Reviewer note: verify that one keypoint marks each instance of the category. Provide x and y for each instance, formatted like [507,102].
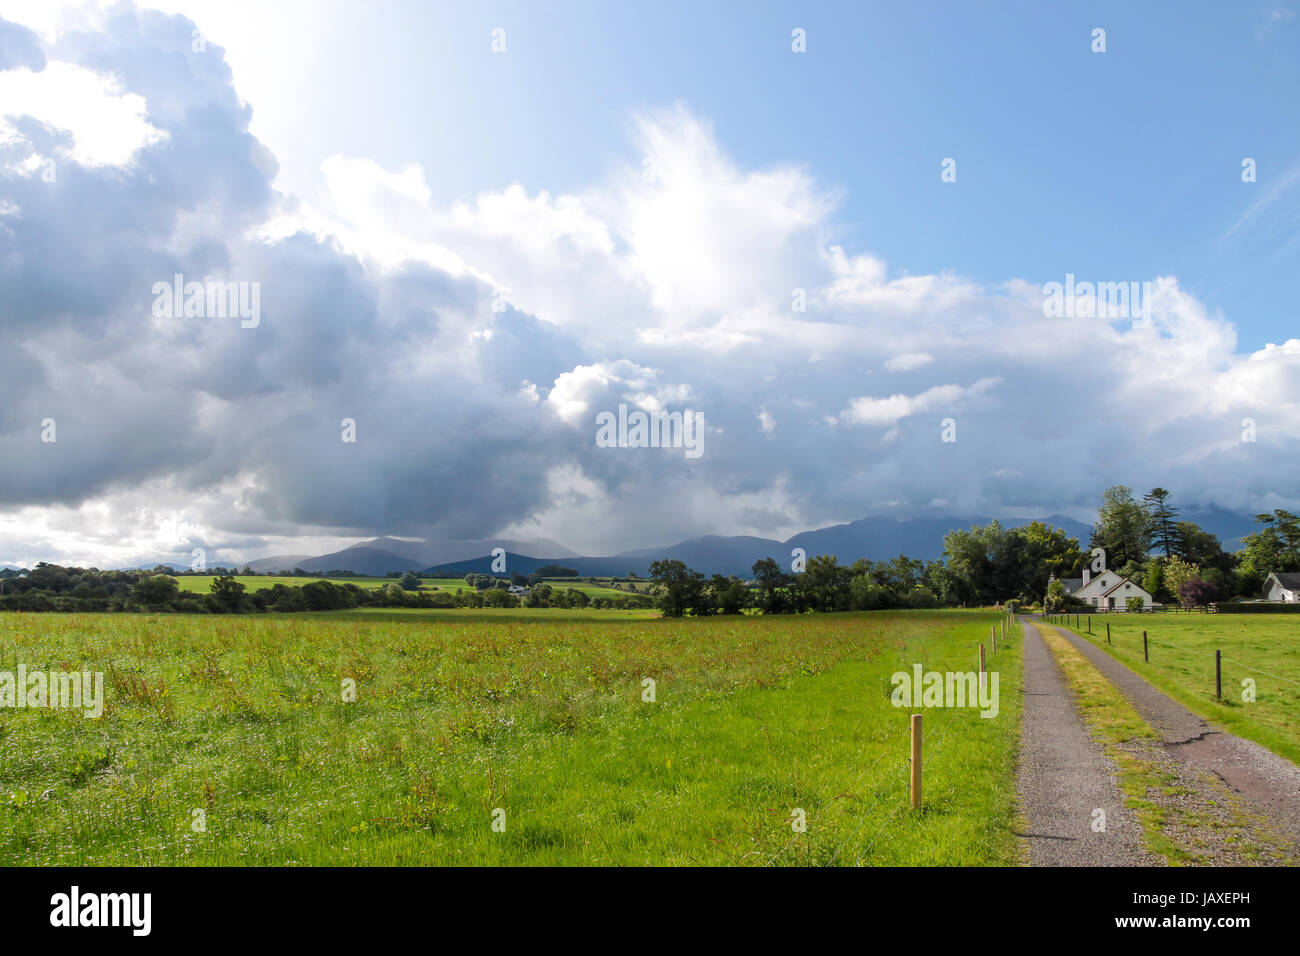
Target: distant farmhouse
[1284,587]
[1106,591]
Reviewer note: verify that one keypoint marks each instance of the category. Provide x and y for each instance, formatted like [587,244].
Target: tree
[157,589]
[1177,573]
[539,595]
[1042,551]
[771,582]
[723,595]
[496,597]
[410,581]
[971,558]
[825,583]
[555,571]
[735,598]
[1054,600]
[987,565]
[1123,527]
[1197,592]
[1276,547]
[676,586]
[1201,547]
[1155,580]
[228,592]
[1164,527]
[866,595]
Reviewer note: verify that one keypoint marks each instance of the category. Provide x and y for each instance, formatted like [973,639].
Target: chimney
[1087,575]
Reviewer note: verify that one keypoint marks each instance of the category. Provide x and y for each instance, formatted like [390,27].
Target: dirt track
[1268,785]
[1065,777]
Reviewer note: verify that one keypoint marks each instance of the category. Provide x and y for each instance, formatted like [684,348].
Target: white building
[1106,591]
[1283,586]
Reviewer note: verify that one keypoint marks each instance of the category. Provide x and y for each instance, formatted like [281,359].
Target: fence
[1064,620]
[907,773]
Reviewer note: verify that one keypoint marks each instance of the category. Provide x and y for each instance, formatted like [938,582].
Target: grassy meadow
[1265,647]
[226,740]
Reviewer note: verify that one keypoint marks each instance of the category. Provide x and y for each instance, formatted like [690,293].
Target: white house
[1283,586]
[1106,591]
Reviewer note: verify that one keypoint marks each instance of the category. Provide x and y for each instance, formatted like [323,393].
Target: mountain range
[872,539]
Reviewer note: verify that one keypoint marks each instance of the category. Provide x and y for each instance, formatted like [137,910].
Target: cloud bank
[474,344]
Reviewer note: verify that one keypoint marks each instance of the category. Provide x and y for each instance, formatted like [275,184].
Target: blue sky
[472,254]
[1122,164]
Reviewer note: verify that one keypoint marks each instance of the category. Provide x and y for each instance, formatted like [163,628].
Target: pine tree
[1164,529]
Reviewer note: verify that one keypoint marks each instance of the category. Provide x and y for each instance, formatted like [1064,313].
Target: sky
[474,227]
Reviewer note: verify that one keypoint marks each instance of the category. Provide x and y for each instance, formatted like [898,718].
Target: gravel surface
[1065,776]
[1267,785]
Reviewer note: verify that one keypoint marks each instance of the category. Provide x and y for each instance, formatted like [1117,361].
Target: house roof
[1288,579]
[1071,584]
[1121,581]
[1100,582]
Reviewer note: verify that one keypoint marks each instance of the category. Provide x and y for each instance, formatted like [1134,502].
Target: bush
[496,597]
[1259,608]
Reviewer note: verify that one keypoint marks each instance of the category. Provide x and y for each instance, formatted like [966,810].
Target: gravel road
[1269,785]
[1065,777]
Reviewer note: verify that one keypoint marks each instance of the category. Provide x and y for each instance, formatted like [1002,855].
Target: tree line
[1145,540]
[51,587]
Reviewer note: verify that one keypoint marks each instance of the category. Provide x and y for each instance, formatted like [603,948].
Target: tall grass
[239,724]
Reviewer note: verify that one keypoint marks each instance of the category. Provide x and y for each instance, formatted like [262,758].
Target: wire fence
[900,776]
[1265,673]
[931,750]
[1064,620]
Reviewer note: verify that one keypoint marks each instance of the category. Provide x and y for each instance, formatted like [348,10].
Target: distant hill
[872,539]
[384,555]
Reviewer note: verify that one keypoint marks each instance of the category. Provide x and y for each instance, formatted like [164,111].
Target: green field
[539,714]
[202,583]
[1265,647]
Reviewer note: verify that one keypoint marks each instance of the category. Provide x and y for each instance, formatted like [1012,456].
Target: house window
[1127,586]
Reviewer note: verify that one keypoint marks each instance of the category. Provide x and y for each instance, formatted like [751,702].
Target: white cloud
[908,361]
[673,289]
[894,408]
[107,125]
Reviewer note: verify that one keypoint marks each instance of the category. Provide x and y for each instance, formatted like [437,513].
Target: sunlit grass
[1262,647]
[541,715]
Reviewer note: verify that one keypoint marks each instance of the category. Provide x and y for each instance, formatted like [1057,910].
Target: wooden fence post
[993,638]
[1145,656]
[916,761]
[1218,675]
[1108,632]
[981,667]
